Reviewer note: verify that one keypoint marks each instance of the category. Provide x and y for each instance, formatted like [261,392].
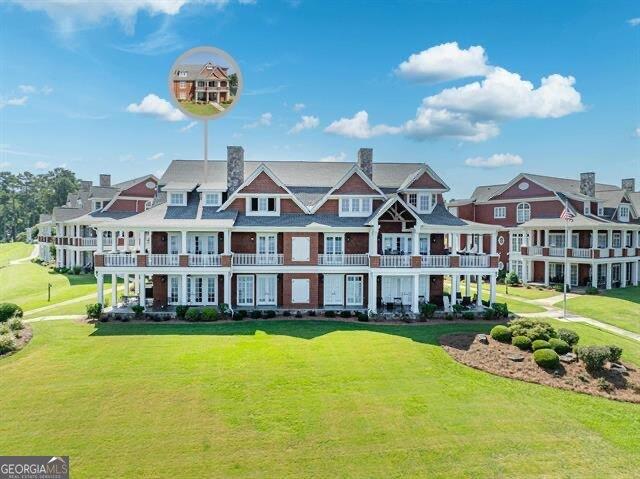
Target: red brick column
[454,261]
[569,252]
[524,250]
[416,261]
[141,260]
[545,251]
[184,260]
[374,261]
[494,260]
[98,260]
[595,253]
[225,260]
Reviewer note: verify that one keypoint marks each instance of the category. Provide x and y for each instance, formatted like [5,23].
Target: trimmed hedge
[615,352]
[9,310]
[7,344]
[521,342]
[532,328]
[94,310]
[540,344]
[594,357]
[559,346]
[568,335]
[428,310]
[546,358]
[209,314]
[193,314]
[181,311]
[501,333]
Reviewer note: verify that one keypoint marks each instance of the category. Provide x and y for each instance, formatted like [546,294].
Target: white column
[467,285]
[227,241]
[594,275]
[114,290]
[142,289]
[492,288]
[538,238]
[114,241]
[183,290]
[608,275]
[126,284]
[546,273]
[427,293]
[415,241]
[567,274]
[99,241]
[183,248]
[481,243]
[455,243]
[546,238]
[373,240]
[373,297]
[414,303]
[610,238]
[100,287]
[623,275]
[594,239]
[454,289]
[634,273]
[494,243]
[479,290]
[227,288]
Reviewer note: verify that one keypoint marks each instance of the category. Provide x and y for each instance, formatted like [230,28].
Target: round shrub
[269,314]
[94,310]
[593,357]
[468,315]
[501,333]
[7,344]
[546,358]
[8,311]
[208,314]
[137,310]
[614,353]
[488,314]
[540,344]
[345,313]
[559,346]
[521,342]
[181,311]
[330,314]
[569,336]
[239,315]
[4,329]
[532,328]
[427,310]
[256,314]
[15,324]
[501,310]
[193,314]
[512,279]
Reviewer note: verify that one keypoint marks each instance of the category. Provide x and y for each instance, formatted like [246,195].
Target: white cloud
[444,62]
[41,165]
[157,156]
[339,157]
[27,88]
[634,22]
[305,123]
[18,101]
[359,127]
[504,95]
[299,107]
[189,126]
[153,105]
[163,40]
[46,90]
[637,132]
[431,123]
[264,120]
[494,161]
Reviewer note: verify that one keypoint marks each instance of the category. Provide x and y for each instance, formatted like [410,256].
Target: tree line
[24,196]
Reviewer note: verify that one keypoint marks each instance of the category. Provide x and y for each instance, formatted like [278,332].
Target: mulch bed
[25,336]
[494,358]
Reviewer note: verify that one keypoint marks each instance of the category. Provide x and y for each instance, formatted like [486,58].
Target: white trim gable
[414,176]
[387,204]
[521,176]
[354,169]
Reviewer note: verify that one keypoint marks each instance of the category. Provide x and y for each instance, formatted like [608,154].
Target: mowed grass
[514,305]
[533,292]
[295,399]
[11,251]
[618,307]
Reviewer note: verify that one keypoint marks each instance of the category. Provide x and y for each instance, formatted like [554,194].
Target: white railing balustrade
[617,252]
[119,260]
[163,260]
[535,250]
[604,252]
[248,259]
[555,251]
[343,259]
[581,252]
[204,260]
[131,241]
[395,261]
[435,261]
[474,261]
[89,242]
[107,241]
[631,251]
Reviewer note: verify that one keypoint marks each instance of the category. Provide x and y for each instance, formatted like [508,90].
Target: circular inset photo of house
[205,83]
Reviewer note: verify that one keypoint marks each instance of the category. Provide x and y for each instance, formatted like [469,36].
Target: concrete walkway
[54,318]
[34,254]
[551,311]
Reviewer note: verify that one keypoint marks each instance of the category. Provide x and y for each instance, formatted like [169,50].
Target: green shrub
[4,329]
[593,357]
[488,314]
[137,310]
[591,290]
[181,311]
[512,279]
[224,310]
[9,310]
[312,312]
[468,315]
[298,314]
[501,333]
[287,314]
[521,342]
[15,324]
[330,314]
[240,314]
[427,310]
[532,328]
[7,344]
[448,317]
[76,270]
[94,310]
[569,336]
[615,352]
[193,314]
[546,358]
[208,314]
[560,288]
[458,308]
[559,346]
[604,385]
[501,310]
[345,313]
[255,314]
[269,314]
[363,317]
[540,344]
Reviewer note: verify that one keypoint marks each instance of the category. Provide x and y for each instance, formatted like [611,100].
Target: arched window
[523,212]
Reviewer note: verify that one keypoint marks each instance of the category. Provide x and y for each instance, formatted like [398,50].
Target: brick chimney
[365,161]
[85,185]
[235,168]
[105,180]
[629,185]
[588,184]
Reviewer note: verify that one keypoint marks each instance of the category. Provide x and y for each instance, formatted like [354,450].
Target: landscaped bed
[485,353]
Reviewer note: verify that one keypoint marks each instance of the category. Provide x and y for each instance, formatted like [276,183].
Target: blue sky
[70,74]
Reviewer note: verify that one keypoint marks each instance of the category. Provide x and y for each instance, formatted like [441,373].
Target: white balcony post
[481,243]
[455,243]
[114,290]
[546,238]
[492,288]
[227,241]
[610,238]
[415,306]
[126,284]
[608,286]
[546,273]
[467,285]
[594,239]
[415,241]
[183,246]
[494,243]
[538,238]
[454,289]
[479,290]
[372,297]
[373,240]
[99,240]
[114,241]
[142,289]
[623,275]
[183,290]
[594,275]
[227,288]
[100,286]
[634,273]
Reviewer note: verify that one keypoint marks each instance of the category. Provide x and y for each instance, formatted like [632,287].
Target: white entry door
[396,287]
[266,294]
[333,289]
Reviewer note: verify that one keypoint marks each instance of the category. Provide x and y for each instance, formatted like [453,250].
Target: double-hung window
[354,290]
[177,198]
[623,213]
[355,206]
[212,199]
[499,212]
[424,204]
[603,240]
[263,205]
[245,289]
[516,242]
[617,240]
[174,243]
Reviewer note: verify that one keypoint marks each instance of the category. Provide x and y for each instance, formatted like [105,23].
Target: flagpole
[566,241]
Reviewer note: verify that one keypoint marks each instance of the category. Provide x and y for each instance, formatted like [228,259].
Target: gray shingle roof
[300,220]
[440,216]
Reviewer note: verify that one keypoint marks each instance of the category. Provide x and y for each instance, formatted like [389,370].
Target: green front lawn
[11,251]
[513,304]
[619,307]
[533,292]
[295,399]
[202,109]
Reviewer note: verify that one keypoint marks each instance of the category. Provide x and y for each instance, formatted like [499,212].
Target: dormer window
[587,208]
[422,202]
[600,210]
[263,206]
[355,206]
[177,198]
[212,199]
[623,213]
[182,74]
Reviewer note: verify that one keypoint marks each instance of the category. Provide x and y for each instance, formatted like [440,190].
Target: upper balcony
[583,253]
[467,261]
[343,259]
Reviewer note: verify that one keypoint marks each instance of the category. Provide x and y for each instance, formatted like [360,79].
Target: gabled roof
[355,170]
[414,176]
[373,219]
[125,185]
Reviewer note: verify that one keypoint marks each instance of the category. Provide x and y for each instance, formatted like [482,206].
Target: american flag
[567,215]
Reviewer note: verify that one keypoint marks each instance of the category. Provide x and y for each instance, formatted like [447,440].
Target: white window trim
[334,235]
[253,290]
[250,212]
[361,294]
[587,208]
[218,198]
[525,207]
[349,201]
[266,235]
[178,279]
[502,214]
[170,198]
[624,217]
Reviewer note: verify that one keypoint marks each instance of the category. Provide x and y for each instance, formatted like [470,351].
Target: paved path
[62,303]
[54,318]
[551,311]
[34,254]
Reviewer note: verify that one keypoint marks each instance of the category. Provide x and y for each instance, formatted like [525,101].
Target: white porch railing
[604,252]
[247,259]
[204,260]
[131,241]
[395,261]
[163,260]
[631,251]
[555,251]
[343,259]
[474,261]
[581,252]
[617,252]
[89,242]
[119,260]
[435,261]
[535,250]
[107,241]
